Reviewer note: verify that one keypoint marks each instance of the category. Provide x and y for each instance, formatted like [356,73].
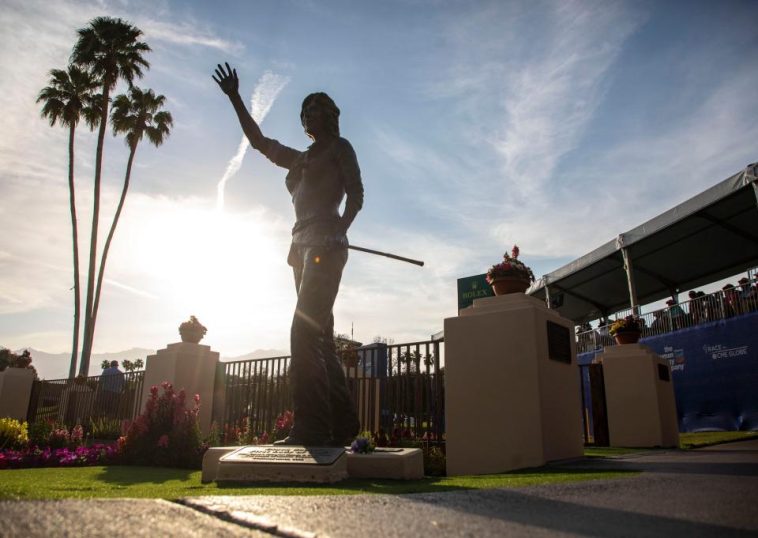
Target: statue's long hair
[331,109]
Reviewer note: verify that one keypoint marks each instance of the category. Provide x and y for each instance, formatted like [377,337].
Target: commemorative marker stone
[269,463]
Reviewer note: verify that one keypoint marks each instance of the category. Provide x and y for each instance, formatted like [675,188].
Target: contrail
[265,93]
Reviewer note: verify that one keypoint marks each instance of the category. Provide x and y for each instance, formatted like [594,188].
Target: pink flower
[163,441]
[515,251]
[197,399]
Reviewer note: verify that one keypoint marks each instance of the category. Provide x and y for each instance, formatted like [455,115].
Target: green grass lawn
[686,441]
[698,440]
[158,482]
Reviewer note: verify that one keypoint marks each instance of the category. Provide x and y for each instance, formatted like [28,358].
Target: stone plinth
[210,461]
[512,392]
[270,463]
[15,390]
[383,463]
[639,397]
[387,463]
[187,366]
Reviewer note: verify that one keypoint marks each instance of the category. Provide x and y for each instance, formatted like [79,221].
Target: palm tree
[111,50]
[135,115]
[67,99]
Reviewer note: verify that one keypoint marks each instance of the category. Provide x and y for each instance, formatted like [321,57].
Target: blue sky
[553,125]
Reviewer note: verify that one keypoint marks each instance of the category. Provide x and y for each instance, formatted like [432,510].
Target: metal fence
[397,390]
[81,400]
[712,307]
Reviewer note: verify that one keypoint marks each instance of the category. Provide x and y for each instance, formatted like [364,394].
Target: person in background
[696,308]
[731,301]
[659,325]
[678,317]
[111,385]
[746,296]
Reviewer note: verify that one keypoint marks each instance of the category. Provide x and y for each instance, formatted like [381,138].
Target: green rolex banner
[472,287]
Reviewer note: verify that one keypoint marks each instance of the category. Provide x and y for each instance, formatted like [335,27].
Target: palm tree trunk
[112,231]
[75,233]
[88,328]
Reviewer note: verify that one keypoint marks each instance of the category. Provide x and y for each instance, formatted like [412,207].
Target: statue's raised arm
[229,83]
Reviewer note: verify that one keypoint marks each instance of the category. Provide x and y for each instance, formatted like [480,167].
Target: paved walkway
[706,492]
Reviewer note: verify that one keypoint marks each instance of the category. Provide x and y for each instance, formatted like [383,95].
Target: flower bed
[59,457]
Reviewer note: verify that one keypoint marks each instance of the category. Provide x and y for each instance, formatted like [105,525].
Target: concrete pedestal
[15,390]
[512,392]
[384,463]
[272,463]
[639,398]
[191,367]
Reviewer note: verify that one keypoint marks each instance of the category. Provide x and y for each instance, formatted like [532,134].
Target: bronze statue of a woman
[318,179]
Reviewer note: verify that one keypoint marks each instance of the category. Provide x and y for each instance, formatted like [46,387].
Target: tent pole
[630,280]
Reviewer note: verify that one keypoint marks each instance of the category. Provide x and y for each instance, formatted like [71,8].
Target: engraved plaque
[558,342]
[284,454]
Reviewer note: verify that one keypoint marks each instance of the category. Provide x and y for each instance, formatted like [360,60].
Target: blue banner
[714,369]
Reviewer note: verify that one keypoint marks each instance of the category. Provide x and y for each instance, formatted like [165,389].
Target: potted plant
[192,331]
[626,330]
[510,275]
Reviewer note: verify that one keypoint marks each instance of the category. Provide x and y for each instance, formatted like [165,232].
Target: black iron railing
[84,399]
[716,306]
[397,389]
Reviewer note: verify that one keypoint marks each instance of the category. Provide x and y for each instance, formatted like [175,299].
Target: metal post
[547,290]
[629,275]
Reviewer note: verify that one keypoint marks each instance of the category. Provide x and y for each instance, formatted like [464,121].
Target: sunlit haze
[477,125]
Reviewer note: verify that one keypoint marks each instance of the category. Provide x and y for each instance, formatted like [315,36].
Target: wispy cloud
[264,94]
[185,33]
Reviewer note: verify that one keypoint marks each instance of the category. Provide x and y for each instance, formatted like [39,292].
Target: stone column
[15,391]
[639,397]
[187,366]
[512,392]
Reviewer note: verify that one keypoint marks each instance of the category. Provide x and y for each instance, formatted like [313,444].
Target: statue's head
[320,113]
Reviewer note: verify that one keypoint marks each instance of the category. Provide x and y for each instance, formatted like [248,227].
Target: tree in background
[8,359]
[111,50]
[70,96]
[131,366]
[134,115]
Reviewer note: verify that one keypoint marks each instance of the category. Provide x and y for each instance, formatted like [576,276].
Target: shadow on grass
[126,475]
[524,477]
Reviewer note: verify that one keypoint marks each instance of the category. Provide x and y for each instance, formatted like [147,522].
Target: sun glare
[229,269]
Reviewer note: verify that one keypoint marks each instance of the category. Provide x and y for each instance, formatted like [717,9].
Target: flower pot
[508,284]
[627,337]
[192,336]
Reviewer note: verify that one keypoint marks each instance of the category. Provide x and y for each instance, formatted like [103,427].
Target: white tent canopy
[709,237]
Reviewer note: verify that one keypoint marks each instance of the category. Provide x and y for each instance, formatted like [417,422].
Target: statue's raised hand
[227,79]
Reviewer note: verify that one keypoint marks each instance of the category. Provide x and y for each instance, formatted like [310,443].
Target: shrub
[39,432]
[105,428]
[166,433]
[13,434]
[283,425]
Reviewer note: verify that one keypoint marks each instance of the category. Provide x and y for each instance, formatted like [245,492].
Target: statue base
[270,463]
